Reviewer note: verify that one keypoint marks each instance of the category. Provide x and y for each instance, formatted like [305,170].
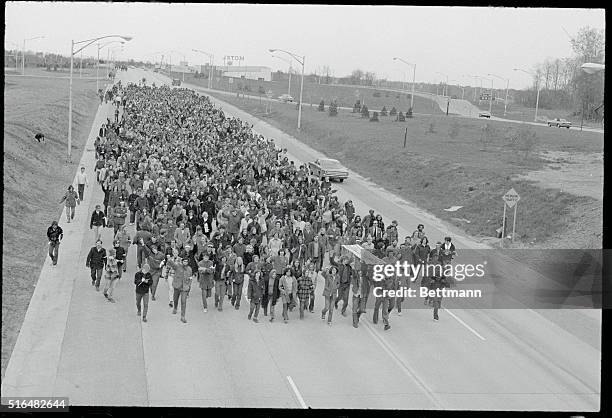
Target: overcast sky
[453,40]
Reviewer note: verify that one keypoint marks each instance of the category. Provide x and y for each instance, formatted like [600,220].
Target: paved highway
[74,343]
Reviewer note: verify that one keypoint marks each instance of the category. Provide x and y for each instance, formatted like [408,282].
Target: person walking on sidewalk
[221,278]
[112,274]
[125,241]
[254,293]
[97,220]
[119,215]
[120,255]
[142,280]
[81,179]
[155,259]
[54,234]
[96,260]
[238,276]
[71,198]
[183,276]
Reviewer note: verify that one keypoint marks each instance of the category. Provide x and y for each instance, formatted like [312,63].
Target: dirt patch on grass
[446,163]
[576,173]
[35,178]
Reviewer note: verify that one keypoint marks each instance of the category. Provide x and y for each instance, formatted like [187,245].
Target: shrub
[333,109]
[401,117]
[393,111]
[374,117]
[383,112]
[453,132]
[365,113]
[322,106]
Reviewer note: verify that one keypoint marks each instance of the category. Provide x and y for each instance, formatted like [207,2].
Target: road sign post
[405,135]
[511,199]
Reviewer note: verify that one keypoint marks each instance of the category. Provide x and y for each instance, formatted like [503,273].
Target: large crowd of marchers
[205,201]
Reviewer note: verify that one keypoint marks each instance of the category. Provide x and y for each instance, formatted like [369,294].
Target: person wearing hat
[96,260]
[447,251]
[112,273]
[54,234]
[183,276]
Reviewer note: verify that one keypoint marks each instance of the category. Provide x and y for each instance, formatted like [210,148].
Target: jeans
[365,292]
[132,216]
[343,295]
[145,298]
[155,276]
[356,310]
[119,270]
[96,275]
[54,251]
[303,305]
[329,301]
[205,296]
[116,228]
[139,255]
[70,212]
[285,310]
[81,188]
[96,229]
[312,299]
[170,279]
[381,303]
[183,295]
[237,295]
[109,286]
[219,294]
[254,310]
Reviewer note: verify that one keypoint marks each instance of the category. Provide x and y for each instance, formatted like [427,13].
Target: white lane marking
[297,393]
[465,325]
[403,366]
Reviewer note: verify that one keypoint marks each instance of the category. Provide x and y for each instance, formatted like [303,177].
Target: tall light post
[507,85]
[87,42]
[211,57]
[477,77]
[290,70]
[413,78]
[446,85]
[23,52]
[98,61]
[302,61]
[535,118]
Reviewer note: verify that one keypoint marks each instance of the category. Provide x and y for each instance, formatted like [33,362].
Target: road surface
[74,343]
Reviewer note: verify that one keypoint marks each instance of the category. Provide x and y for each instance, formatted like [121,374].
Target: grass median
[454,161]
[35,178]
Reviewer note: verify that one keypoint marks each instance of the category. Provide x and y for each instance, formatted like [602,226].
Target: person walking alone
[332,282]
[183,276]
[97,220]
[71,198]
[82,182]
[112,273]
[54,234]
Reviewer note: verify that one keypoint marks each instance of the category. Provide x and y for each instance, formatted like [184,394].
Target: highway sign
[511,198]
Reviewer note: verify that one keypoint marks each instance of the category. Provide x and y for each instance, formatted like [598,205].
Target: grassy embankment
[35,178]
[453,166]
[313,93]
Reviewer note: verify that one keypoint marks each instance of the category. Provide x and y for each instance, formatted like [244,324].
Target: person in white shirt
[81,179]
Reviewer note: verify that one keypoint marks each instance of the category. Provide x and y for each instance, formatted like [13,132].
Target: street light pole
[535,118]
[302,61]
[413,78]
[491,98]
[507,85]
[23,52]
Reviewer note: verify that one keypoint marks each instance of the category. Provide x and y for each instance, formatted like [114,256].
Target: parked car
[484,114]
[176,81]
[285,98]
[327,167]
[559,123]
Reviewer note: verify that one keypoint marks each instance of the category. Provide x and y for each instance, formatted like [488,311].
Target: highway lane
[555,373]
[108,357]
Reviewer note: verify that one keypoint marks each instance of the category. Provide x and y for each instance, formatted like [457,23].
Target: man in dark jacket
[119,256]
[345,272]
[254,293]
[143,281]
[54,234]
[96,260]
[97,220]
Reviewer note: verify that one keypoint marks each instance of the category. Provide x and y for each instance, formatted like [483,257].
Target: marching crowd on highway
[203,199]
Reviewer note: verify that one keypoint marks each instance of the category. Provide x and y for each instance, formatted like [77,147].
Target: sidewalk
[33,366]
